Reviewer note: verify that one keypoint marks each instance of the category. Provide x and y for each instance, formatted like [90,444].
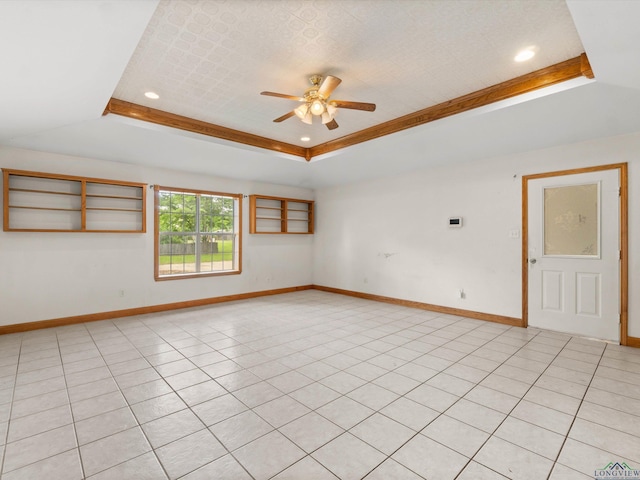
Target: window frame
[156,241]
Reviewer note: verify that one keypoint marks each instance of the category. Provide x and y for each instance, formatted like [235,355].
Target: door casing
[623,235]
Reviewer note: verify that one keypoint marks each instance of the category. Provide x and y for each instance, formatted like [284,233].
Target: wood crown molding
[545,77]
[160,117]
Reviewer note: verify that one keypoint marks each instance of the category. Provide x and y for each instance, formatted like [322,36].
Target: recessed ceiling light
[305,139]
[152,95]
[526,54]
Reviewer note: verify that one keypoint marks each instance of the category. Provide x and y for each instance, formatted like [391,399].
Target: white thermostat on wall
[455,222]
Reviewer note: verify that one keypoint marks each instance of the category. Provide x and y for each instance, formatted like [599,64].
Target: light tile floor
[313,386]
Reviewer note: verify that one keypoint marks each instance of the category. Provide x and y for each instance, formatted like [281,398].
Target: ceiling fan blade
[285,116]
[329,84]
[282,95]
[367,107]
[332,125]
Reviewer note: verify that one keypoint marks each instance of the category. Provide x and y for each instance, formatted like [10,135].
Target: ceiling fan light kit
[303,112]
[328,114]
[317,107]
[317,103]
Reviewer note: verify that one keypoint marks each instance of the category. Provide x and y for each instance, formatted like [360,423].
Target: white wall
[390,232]
[390,236]
[53,275]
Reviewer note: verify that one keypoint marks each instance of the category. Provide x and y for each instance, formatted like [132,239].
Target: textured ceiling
[210,59]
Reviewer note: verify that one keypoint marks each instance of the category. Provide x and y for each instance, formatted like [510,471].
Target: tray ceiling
[387,52]
[209,60]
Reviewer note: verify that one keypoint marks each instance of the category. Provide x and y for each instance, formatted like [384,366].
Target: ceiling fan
[316,102]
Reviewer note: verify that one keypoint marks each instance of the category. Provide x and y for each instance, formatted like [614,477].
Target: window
[197,233]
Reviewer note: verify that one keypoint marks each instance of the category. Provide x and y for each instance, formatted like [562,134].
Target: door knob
[533,261]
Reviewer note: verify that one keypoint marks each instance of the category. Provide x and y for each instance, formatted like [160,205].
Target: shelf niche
[278,215]
[47,202]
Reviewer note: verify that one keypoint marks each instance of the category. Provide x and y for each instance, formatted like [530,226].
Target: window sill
[181,276]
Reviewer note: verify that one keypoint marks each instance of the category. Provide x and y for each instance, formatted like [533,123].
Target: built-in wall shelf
[48,202]
[278,215]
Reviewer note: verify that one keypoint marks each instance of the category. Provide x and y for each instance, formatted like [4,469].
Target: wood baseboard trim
[633,342]
[515,322]
[94,317]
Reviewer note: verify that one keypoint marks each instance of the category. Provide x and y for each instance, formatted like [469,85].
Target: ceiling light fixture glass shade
[302,111]
[317,107]
[308,118]
[329,113]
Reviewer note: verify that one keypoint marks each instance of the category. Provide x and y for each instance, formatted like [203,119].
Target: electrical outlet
[461,294]
[515,233]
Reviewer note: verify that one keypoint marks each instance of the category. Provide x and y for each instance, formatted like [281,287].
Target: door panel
[588,293]
[573,240]
[552,295]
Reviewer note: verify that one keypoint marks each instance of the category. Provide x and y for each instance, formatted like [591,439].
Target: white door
[574,259]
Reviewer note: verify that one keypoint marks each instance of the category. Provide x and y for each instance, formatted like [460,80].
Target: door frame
[623,235]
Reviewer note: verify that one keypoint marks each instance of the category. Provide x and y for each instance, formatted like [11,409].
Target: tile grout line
[187,407]
[316,360]
[408,362]
[576,415]
[109,411]
[6,436]
[507,415]
[459,319]
[311,323]
[73,420]
[387,456]
[460,397]
[77,447]
[130,406]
